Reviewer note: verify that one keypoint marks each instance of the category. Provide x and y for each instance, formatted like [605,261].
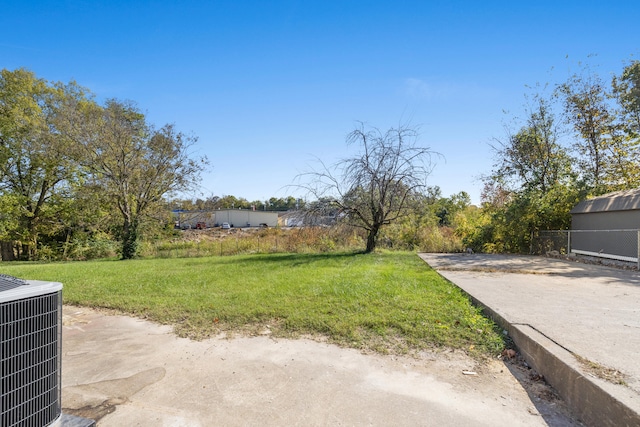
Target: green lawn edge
[387,302]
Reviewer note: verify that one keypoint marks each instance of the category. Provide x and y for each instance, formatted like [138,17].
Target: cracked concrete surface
[124,371]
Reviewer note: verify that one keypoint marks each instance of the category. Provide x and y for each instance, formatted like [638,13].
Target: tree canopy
[580,141]
[38,173]
[77,175]
[60,148]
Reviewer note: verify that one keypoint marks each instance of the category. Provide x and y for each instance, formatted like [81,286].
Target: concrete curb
[593,401]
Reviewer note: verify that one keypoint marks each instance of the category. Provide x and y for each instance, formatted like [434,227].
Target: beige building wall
[246,218]
[191,219]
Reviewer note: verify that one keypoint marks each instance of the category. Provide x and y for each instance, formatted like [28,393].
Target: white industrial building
[194,219]
[246,218]
[237,218]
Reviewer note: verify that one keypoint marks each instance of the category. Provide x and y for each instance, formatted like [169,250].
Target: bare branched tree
[372,188]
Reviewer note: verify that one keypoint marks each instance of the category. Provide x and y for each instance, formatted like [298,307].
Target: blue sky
[267,86]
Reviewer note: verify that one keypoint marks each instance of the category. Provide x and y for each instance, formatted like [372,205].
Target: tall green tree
[37,173]
[587,111]
[606,155]
[540,173]
[283,204]
[626,89]
[532,158]
[526,190]
[135,164]
[446,208]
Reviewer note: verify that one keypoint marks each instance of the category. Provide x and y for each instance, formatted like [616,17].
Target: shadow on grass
[293,259]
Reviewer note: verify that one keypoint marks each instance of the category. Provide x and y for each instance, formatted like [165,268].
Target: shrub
[85,247]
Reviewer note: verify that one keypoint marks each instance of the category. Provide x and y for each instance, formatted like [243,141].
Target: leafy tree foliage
[512,226]
[135,164]
[589,114]
[285,203]
[626,89]
[531,188]
[233,202]
[66,163]
[606,147]
[449,207]
[532,158]
[430,223]
[541,172]
[37,173]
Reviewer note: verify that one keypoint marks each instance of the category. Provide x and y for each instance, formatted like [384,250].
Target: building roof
[618,201]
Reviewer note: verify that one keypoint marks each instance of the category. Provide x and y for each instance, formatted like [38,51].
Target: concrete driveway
[579,323]
[123,371]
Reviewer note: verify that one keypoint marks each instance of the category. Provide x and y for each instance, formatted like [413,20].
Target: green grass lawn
[384,302]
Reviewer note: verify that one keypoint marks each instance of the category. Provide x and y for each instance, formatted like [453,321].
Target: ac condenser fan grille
[30,363]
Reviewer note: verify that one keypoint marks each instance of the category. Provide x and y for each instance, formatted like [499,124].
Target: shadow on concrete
[544,397]
[531,264]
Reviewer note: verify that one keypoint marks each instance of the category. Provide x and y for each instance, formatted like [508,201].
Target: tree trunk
[372,239]
[24,254]
[7,251]
[130,240]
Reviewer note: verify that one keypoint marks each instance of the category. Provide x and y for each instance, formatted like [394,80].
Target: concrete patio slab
[123,371]
[578,324]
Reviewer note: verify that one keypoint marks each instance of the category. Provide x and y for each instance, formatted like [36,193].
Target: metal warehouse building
[235,217]
[246,217]
[607,226]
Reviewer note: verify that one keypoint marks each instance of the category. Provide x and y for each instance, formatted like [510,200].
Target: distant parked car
[225,226]
[201,226]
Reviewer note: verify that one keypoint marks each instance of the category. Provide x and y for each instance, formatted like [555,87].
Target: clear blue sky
[269,85]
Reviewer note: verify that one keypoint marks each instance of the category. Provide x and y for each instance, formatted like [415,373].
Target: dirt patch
[215,234]
[585,259]
[603,372]
[492,270]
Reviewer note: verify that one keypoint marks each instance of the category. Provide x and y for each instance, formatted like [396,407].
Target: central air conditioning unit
[30,352]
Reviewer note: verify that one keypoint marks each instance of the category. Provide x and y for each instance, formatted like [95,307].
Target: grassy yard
[383,302]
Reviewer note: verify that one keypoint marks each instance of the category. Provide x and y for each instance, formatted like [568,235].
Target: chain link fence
[551,241]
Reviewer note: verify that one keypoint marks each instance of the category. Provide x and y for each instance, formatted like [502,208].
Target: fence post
[530,244]
[568,242]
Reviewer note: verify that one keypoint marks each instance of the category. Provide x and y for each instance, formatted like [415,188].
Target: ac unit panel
[30,353]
